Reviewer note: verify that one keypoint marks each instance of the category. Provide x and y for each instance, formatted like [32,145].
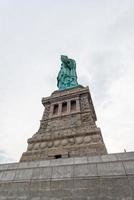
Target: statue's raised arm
[67,77]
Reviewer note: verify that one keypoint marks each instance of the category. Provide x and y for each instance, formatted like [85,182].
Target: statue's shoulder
[72,60]
[72,63]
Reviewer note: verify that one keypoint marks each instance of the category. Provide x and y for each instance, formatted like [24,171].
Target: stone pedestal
[67,128]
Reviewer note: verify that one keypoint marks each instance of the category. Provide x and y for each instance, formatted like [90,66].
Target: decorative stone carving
[64,142]
[43,145]
[87,139]
[71,141]
[57,143]
[79,140]
[50,144]
[36,146]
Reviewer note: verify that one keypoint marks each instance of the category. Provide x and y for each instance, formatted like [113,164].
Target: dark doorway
[57,156]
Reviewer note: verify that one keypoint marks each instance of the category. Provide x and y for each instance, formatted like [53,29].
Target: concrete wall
[107,177]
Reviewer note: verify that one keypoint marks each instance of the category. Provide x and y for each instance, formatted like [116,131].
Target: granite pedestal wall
[105,177]
[67,128]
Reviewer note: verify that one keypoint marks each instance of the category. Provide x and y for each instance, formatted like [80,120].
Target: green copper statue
[67,77]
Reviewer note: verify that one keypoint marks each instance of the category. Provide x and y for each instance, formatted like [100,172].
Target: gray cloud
[4,157]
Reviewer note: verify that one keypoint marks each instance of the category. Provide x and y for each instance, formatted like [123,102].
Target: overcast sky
[98,34]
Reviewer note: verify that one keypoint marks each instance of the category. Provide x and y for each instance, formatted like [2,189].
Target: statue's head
[64,58]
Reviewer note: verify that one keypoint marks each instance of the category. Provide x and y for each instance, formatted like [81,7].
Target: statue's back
[67,77]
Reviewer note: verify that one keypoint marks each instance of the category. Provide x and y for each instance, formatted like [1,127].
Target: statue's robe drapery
[67,77]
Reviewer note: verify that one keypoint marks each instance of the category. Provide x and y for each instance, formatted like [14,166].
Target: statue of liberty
[67,77]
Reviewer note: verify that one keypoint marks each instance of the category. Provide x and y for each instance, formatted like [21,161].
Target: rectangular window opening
[55,110]
[73,105]
[64,107]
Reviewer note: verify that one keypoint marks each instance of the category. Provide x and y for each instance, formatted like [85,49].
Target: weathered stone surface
[129,167]
[95,178]
[69,131]
[110,169]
